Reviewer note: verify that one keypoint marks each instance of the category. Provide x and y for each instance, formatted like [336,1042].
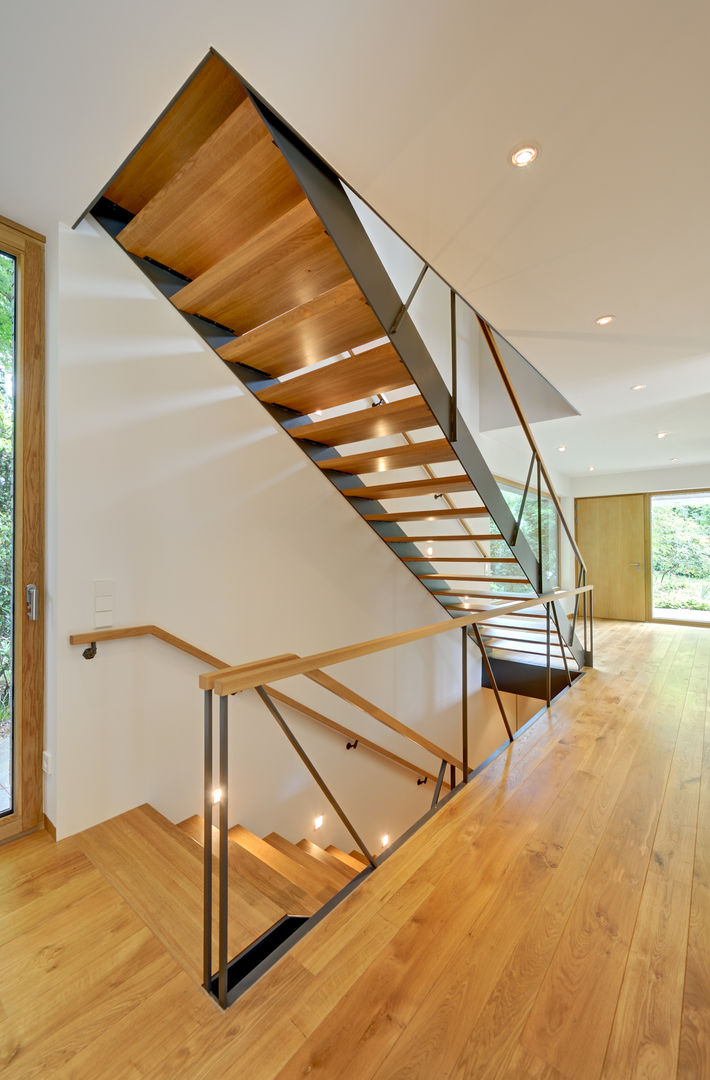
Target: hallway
[551,921]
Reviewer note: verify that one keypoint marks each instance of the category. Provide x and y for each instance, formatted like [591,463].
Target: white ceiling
[418,105]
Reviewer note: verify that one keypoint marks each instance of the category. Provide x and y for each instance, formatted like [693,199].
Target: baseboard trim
[50,828]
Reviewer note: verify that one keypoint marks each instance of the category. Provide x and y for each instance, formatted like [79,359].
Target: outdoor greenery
[681,555]
[528,527]
[7,422]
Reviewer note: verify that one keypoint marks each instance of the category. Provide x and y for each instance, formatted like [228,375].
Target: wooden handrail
[121,632]
[346,694]
[503,372]
[306,710]
[231,680]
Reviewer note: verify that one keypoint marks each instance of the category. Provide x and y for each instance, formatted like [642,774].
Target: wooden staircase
[214,210]
[157,867]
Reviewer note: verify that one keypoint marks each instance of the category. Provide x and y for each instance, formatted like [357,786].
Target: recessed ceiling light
[604,320]
[675,459]
[592,468]
[662,434]
[562,449]
[639,386]
[524,156]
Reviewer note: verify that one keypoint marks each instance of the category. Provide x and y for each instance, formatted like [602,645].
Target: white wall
[678,478]
[175,484]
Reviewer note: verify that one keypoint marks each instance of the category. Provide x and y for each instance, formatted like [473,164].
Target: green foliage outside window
[7,459]
[528,527]
[681,555]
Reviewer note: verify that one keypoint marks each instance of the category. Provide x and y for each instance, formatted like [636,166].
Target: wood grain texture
[409,488]
[347,872]
[366,374]
[408,414]
[438,539]
[204,104]
[395,457]
[286,264]
[429,515]
[611,533]
[331,323]
[228,191]
[438,963]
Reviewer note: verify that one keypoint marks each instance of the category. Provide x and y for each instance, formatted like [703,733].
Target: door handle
[32,602]
[636,564]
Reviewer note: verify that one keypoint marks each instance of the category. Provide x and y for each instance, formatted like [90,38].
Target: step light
[216,795]
[318,822]
[524,156]
[385,840]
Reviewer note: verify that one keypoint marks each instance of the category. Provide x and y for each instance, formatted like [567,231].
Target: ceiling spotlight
[639,386]
[604,320]
[562,449]
[524,156]
[662,434]
[592,468]
[675,459]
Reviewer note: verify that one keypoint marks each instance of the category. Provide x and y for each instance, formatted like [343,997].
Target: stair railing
[258,676]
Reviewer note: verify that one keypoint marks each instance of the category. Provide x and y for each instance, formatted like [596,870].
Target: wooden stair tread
[459,538]
[504,598]
[348,860]
[454,559]
[210,97]
[405,415]
[364,375]
[285,265]
[332,322]
[473,577]
[234,184]
[264,880]
[317,871]
[396,457]
[158,870]
[359,857]
[410,488]
[346,872]
[430,515]
[280,862]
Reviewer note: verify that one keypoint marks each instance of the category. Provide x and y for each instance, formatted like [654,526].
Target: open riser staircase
[253,238]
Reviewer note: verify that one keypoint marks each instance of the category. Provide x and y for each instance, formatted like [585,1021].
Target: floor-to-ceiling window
[8,322]
[21,527]
[680,556]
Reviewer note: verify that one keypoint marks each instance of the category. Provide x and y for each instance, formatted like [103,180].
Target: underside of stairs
[253,239]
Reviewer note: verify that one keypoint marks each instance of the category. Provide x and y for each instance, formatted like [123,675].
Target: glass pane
[513,495]
[7,498]
[680,545]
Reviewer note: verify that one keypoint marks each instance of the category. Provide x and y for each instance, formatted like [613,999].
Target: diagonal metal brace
[314,773]
[491,676]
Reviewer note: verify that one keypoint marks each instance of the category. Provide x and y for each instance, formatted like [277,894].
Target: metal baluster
[464,701]
[562,644]
[549,660]
[454,372]
[539,531]
[223,848]
[207,854]
[439,782]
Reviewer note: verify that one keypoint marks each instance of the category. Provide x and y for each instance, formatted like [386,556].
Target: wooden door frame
[27,247]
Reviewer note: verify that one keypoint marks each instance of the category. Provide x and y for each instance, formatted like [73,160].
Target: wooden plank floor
[551,921]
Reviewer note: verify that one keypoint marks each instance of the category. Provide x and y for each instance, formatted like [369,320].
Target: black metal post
[223,849]
[562,644]
[464,701]
[549,660]
[492,678]
[521,511]
[314,773]
[454,372]
[207,855]
[541,580]
[591,627]
[439,782]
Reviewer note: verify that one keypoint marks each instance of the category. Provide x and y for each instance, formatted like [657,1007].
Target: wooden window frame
[27,247]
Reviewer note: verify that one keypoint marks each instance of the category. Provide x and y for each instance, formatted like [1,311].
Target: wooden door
[612,534]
